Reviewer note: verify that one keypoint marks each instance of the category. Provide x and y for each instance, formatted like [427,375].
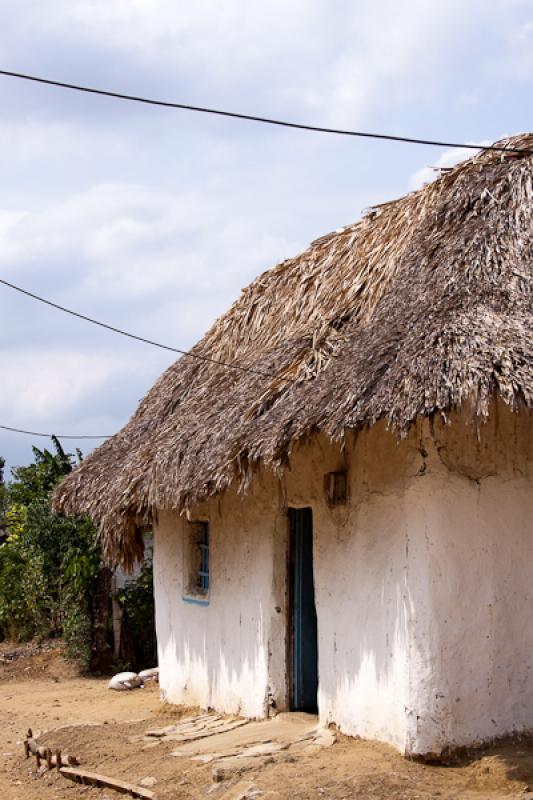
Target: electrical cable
[260,119]
[114,329]
[221,113]
[57,435]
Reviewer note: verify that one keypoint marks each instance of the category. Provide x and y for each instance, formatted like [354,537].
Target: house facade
[338,476]
[422,581]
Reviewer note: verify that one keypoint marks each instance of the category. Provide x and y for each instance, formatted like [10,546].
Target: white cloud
[153,220]
[8,221]
[386,69]
[47,384]
[524,33]
[337,61]
[129,241]
[37,140]
[520,62]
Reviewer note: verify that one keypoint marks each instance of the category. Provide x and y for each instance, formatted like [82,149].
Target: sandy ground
[106,730]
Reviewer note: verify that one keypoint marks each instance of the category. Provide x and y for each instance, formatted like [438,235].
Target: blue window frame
[203,547]
[196,568]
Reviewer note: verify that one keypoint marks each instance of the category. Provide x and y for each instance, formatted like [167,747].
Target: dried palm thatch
[423,304]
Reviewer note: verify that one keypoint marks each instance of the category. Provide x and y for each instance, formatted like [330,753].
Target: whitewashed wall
[423,581]
[471,587]
[360,573]
[224,655]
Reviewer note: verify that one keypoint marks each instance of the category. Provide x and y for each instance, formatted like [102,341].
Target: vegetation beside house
[52,580]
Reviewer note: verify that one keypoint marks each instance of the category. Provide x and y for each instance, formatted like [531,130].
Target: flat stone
[152,744]
[205,758]
[244,790]
[265,749]
[158,732]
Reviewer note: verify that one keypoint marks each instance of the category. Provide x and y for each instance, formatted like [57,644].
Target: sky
[153,220]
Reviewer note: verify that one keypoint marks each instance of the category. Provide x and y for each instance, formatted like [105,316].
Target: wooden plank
[95,779]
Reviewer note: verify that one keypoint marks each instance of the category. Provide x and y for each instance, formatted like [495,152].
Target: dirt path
[106,730]
[40,692]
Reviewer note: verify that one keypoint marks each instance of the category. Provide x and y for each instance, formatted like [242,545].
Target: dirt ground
[105,730]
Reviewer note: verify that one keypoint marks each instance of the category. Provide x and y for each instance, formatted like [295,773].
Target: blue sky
[153,220]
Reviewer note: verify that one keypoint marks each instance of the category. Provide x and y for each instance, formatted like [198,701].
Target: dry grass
[422,305]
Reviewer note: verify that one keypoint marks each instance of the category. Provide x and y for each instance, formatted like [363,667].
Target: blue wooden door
[304,647]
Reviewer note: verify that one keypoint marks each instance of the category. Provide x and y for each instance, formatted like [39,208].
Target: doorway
[303,642]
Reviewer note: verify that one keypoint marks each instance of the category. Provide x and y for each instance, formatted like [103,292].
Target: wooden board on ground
[95,779]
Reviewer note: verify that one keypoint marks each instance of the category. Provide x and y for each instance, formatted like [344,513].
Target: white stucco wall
[423,583]
[471,586]
[360,581]
[219,655]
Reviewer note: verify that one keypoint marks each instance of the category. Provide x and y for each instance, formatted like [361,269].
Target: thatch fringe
[423,304]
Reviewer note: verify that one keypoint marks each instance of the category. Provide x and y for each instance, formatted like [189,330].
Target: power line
[112,328]
[50,435]
[253,118]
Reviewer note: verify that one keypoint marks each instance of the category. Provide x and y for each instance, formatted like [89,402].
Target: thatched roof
[423,304]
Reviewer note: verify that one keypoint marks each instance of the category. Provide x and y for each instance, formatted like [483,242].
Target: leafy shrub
[48,563]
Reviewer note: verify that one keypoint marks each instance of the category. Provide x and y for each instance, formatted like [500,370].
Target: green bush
[48,563]
[23,589]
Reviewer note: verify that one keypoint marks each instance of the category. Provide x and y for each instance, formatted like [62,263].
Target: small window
[335,488]
[196,561]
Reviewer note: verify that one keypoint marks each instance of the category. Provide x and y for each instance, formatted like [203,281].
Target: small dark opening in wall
[199,558]
[335,488]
